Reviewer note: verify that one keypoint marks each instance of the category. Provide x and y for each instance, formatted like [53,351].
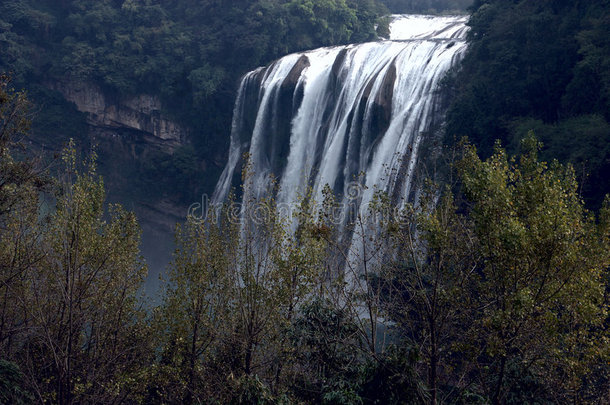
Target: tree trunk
[496,397]
[191,383]
[433,362]
[248,360]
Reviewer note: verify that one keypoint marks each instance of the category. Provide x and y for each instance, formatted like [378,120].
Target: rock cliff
[142,114]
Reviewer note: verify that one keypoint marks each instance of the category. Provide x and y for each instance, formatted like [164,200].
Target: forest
[492,287]
[542,66]
[189,53]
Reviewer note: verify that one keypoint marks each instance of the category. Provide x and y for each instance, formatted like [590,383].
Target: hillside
[157,79]
[542,66]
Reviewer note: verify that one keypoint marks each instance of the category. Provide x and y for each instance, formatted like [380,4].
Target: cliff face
[130,136]
[142,113]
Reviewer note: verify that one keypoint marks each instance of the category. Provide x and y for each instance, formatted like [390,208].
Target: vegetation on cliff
[542,66]
[426,6]
[190,54]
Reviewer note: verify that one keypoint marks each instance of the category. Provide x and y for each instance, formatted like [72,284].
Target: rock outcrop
[142,113]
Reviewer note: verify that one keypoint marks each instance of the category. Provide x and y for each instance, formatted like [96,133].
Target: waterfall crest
[333,115]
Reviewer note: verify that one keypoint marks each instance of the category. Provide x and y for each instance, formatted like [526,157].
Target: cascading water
[333,115]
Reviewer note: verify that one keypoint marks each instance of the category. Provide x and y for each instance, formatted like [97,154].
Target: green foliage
[589,89]
[170,48]
[393,379]
[426,6]
[428,280]
[16,176]
[383,28]
[189,53]
[167,174]
[12,385]
[233,292]
[327,358]
[534,61]
[54,119]
[249,390]
[540,287]
[583,141]
[205,81]
[197,303]
[502,288]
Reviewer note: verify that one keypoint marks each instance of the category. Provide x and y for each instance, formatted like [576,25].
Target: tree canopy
[543,66]
[189,54]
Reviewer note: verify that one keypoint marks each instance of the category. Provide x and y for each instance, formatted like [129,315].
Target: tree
[540,293]
[196,313]
[429,282]
[16,174]
[20,235]
[69,315]
[328,357]
[235,286]
[85,337]
[502,286]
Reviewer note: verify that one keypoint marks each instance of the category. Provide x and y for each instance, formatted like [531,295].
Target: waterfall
[344,116]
